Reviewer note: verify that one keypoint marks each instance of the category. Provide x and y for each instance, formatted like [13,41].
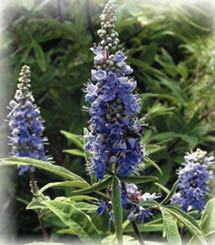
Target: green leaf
[182,70]
[163,188]
[95,187]
[208,219]
[189,222]
[209,212]
[164,137]
[146,137]
[139,179]
[177,91]
[84,206]
[150,149]
[117,209]
[191,140]
[166,61]
[40,56]
[49,167]
[150,162]
[63,184]
[75,152]
[158,110]
[73,218]
[145,228]
[169,136]
[110,240]
[82,197]
[35,204]
[68,231]
[170,194]
[170,228]
[74,138]
[167,96]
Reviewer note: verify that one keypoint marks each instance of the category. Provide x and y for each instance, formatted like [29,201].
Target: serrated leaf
[170,228]
[117,209]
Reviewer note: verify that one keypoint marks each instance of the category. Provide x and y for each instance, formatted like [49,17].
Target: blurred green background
[170,46]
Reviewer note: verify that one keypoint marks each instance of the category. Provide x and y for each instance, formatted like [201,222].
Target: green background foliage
[170,49]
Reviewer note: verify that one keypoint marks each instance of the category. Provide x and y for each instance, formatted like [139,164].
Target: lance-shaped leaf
[75,152]
[63,184]
[74,219]
[207,223]
[117,208]
[74,138]
[189,222]
[49,167]
[95,187]
[170,227]
[139,179]
[170,194]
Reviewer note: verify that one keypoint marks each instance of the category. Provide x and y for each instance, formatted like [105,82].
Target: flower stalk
[40,214]
[26,126]
[136,232]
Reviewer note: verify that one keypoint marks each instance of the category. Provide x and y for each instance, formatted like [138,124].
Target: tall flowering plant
[113,151]
[114,137]
[26,128]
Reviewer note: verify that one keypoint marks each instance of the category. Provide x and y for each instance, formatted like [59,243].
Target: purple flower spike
[25,123]
[193,181]
[114,129]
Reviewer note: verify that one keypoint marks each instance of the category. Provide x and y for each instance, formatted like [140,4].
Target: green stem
[133,222]
[136,232]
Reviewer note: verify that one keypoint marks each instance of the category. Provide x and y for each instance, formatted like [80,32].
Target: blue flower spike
[25,123]
[114,129]
[193,181]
